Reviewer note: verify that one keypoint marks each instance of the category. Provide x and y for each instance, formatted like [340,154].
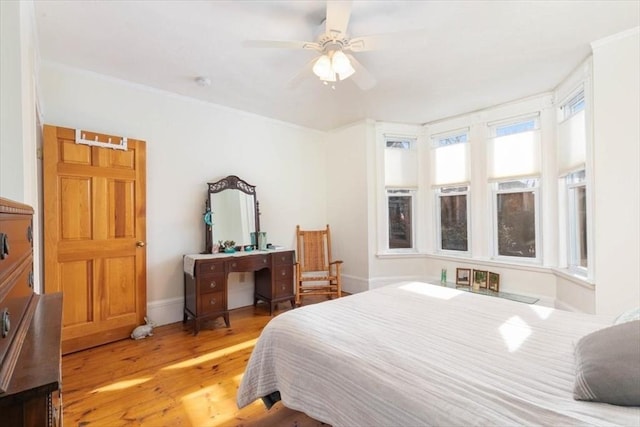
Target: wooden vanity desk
[205,281]
[30,332]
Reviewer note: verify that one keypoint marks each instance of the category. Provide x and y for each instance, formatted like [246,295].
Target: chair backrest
[314,249]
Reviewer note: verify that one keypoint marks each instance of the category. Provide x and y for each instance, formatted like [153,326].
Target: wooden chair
[316,272]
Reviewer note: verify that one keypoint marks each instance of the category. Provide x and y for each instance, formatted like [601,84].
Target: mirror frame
[231,182]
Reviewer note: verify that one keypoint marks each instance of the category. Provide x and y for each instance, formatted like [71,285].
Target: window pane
[400,232]
[453,222]
[451,139]
[402,144]
[581,225]
[512,128]
[516,224]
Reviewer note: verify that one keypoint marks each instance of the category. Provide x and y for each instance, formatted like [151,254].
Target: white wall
[18,107]
[11,147]
[190,143]
[347,200]
[616,88]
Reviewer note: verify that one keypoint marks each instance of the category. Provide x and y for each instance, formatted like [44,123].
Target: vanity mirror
[232,212]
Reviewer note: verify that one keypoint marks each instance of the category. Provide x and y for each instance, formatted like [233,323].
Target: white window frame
[438,220]
[573,182]
[538,232]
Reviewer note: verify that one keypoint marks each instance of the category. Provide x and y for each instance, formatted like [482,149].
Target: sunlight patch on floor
[209,406]
[439,292]
[213,355]
[121,385]
[514,332]
[542,312]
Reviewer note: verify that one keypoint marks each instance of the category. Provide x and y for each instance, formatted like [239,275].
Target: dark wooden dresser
[205,288]
[30,325]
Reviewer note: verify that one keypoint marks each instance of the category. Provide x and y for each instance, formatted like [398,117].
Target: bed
[416,354]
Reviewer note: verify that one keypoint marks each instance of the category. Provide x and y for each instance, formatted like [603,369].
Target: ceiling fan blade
[305,73]
[401,40]
[338,14]
[362,78]
[282,44]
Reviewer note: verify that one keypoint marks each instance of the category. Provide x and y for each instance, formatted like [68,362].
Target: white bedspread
[413,354]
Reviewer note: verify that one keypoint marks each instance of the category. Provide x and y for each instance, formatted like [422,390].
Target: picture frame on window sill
[480,279]
[494,282]
[463,276]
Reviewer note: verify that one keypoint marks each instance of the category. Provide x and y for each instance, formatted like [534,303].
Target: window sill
[574,278]
[465,259]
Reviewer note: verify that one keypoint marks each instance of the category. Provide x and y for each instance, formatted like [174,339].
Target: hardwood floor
[172,379]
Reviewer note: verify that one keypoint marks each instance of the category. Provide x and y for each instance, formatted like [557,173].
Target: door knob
[140,244]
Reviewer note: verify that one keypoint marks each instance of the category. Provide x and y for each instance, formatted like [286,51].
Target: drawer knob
[212,284]
[283,287]
[4,245]
[6,323]
[30,234]
[234,265]
[30,279]
[212,301]
[212,267]
[264,261]
[284,273]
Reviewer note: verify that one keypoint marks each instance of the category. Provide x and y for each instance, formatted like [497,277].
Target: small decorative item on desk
[262,240]
[443,276]
[228,246]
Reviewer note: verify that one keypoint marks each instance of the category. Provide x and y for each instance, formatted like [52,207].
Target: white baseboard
[165,311]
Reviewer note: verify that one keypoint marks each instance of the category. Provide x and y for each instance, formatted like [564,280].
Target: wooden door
[94,236]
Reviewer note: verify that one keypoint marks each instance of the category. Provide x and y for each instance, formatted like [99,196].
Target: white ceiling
[450,57]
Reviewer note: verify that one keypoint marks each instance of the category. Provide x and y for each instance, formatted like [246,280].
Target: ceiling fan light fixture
[347,73]
[330,77]
[322,67]
[340,63]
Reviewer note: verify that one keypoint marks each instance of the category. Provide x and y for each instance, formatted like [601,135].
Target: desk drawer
[249,263]
[283,272]
[209,266]
[211,283]
[283,258]
[282,287]
[211,303]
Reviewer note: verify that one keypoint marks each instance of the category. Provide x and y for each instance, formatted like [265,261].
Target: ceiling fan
[335,61]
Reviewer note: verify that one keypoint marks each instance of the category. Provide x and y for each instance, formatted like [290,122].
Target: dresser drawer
[211,283]
[250,263]
[209,266]
[211,303]
[283,272]
[282,287]
[283,258]
[16,238]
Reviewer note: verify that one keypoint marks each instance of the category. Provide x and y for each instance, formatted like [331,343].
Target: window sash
[401,220]
[577,225]
[506,230]
[456,231]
